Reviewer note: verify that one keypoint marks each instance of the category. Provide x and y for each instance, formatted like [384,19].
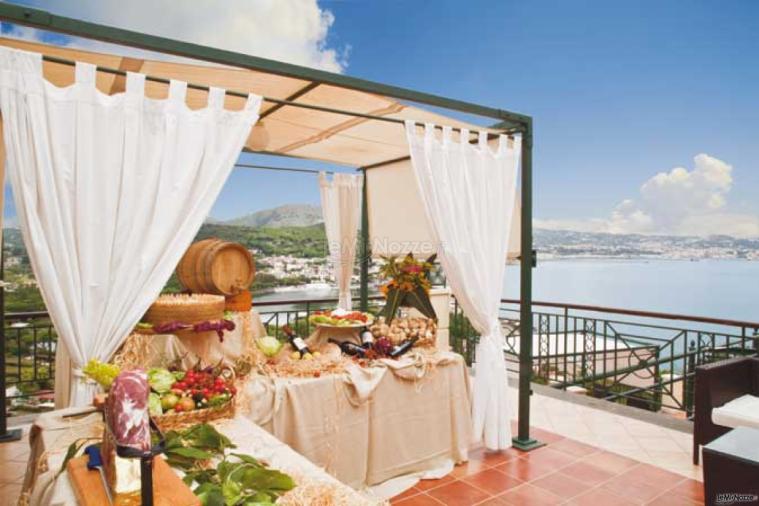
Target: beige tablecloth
[52,434]
[371,425]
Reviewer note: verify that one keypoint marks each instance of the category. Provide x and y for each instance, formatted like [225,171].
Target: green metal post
[5,434]
[523,441]
[364,250]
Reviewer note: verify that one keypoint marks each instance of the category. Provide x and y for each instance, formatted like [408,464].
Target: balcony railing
[30,342]
[643,359]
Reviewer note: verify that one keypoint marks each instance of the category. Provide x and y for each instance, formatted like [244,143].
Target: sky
[646,113]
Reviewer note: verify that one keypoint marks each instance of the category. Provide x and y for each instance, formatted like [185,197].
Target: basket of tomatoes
[197,396]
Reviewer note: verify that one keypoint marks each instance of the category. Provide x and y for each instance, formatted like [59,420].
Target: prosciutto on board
[127,411]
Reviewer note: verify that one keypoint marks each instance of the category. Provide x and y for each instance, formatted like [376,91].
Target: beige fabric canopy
[292,131]
[298,132]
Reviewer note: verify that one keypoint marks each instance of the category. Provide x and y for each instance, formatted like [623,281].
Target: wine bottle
[402,348]
[296,341]
[349,348]
[367,338]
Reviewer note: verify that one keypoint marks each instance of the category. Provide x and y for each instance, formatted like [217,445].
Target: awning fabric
[292,131]
[298,132]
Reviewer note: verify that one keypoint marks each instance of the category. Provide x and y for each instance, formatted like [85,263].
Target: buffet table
[51,435]
[379,428]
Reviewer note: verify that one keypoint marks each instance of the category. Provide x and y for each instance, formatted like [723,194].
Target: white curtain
[110,191]
[341,200]
[468,191]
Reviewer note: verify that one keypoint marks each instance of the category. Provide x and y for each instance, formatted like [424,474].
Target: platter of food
[340,318]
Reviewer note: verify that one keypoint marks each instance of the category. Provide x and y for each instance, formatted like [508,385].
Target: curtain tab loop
[135,83]
[177,91]
[85,73]
[503,144]
[253,103]
[483,139]
[215,98]
[429,131]
[464,139]
[447,134]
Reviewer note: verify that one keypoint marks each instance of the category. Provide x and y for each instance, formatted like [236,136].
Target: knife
[95,461]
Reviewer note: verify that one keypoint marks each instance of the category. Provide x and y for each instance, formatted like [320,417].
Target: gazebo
[306,114]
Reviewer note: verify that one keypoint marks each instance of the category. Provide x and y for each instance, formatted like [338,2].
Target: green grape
[101,372]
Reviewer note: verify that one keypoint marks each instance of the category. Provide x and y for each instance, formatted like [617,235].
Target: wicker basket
[185,308]
[173,421]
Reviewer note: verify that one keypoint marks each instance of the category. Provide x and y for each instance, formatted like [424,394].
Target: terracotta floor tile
[493,501]
[458,493]
[554,458]
[544,436]
[562,485]
[493,458]
[692,489]
[525,470]
[425,485]
[633,488]
[574,448]
[599,497]
[418,500]
[11,473]
[530,495]
[493,481]
[18,450]
[670,500]
[469,468]
[405,495]
[655,476]
[612,462]
[588,473]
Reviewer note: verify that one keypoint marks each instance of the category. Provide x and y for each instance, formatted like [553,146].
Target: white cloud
[678,202]
[293,31]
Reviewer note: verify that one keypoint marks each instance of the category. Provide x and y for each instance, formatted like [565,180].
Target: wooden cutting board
[168,488]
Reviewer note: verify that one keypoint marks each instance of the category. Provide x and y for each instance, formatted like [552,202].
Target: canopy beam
[279,101]
[46,20]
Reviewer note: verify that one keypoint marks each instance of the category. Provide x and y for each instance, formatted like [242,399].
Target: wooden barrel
[216,266]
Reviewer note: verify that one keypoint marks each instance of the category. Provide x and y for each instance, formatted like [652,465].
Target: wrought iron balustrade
[644,359]
[638,358]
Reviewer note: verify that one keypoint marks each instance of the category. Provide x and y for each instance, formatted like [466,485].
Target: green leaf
[71,452]
[262,479]
[394,298]
[200,476]
[207,437]
[231,490]
[420,299]
[210,495]
[247,459]
[190,452]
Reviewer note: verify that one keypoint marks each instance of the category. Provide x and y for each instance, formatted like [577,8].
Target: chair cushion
[740,412]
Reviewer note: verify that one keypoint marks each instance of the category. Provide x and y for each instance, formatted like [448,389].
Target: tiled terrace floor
[564,472]
[592,457]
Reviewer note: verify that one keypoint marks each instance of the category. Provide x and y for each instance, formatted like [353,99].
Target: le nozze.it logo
[736,498]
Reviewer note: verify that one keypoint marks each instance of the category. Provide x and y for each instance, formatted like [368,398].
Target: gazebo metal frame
[507,122]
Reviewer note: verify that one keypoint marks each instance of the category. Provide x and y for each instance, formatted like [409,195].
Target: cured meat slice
[127,410]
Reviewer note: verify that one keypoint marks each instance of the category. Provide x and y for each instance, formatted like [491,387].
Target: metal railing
[30,342]
[639,358]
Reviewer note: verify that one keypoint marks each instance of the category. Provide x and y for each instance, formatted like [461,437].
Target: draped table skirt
[378,429]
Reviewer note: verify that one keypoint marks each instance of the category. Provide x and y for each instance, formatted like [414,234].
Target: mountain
[289,215]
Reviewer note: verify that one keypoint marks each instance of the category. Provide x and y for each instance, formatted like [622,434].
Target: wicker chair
[716,384]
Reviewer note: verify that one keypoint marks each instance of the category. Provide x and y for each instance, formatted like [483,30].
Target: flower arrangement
[407,285]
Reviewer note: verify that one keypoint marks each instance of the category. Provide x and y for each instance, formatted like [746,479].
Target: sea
[725,289]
